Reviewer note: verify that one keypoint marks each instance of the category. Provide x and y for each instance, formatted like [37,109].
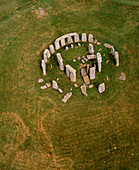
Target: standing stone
[90,38]
[92,73]
[62,42]
[66,48]
[76,38]
[101,88]
[83,89]
[57,45]
[72,46]
[51,49]
[46,55]
[54,84]
[60,61]
[78,58]
[112,51]
[116,57]
[79,44]
[43,67]
[84,38]
[91,49]
[69,39]
[71,73]
[99,60]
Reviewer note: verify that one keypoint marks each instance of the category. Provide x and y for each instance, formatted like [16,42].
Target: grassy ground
[38,131]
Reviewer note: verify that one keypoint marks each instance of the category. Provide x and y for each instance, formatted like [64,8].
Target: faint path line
[16,12]
[46,135]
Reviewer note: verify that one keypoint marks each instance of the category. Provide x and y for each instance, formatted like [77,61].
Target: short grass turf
[37,130]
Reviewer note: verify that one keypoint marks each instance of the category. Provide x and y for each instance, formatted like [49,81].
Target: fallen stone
[90,57]
[106,45]
[104,55]
[78,58]
[98,43]
[85,59]
[76,47]
[95,41]
[70,89]
[43,87]
[107,61]
[83,89]
[48,84]
[101,88]
[90,86]
[79,44]
[66,97]
[82,44]
[51,65]
[83,72]
[66,48]
[82,61]
[92,73]
[123,74]
[100,49]
[116,57]
[74,60]
[107,78]
[87,68]
[57,79]
[54,84]
[99,61]
[40,80]
[75,85]
[60,90]
[123,78]
[86,80]
[41,11]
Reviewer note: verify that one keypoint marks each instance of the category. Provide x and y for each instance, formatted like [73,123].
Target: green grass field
[37,130]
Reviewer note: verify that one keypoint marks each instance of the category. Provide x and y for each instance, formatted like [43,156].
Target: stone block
[84,38]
